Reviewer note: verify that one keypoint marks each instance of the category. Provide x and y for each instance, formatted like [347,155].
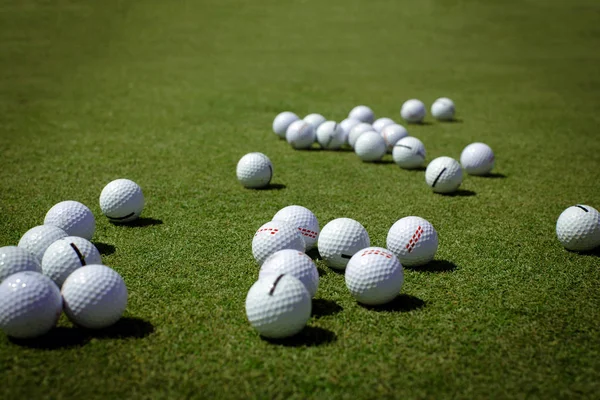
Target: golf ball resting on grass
[358,130]
[578,228]
[300,134]
[409,153]
[477,159]
[295,263]
[339,240]
[122,201]
[413,240]
[254,170]
[370,146]
[315,120]
[443,175]
[66,255]
[413,111]
[274,236]
[72,217]
[443,109]
[330,135]
[391,134]
[15,259]
[282,122]
[381,123]
[363,114]
[347,126]
[304,220]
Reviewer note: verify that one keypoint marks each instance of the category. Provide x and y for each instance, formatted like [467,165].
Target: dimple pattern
[477,159]
[122,200]
[274,236]
[61,258]
[413,240]
[340,239]
[278,306]
[409,152]
[443,175]
[295,263]
[300,134]
[39,238]
[30,304]
[282,121]
[72,217]
[578,228]
[303,219]
[374,276]
[95,296]
[391,134]
[15,259]
[254,170]
[370,146]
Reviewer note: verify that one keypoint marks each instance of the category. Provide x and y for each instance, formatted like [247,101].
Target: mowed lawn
[172,94]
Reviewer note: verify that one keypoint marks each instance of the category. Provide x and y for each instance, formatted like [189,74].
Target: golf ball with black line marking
[370,146]
[340,239]
[254,170]
[413,240]
[315,120]
[300,134]
[274,236]
[363,114]
[66,255]
[443,109]
[37,239]
[330,135]
[282,121]
[392,134]
[443,175]
[295,263]
[477,159]
[578,228]
[409,153]
[122,201]
[15,259]
[72,217]
[413,111]
[357,131]
[304,220]
[381,123]
[347,126]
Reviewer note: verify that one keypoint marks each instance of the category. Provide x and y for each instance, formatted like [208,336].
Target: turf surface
[172,94]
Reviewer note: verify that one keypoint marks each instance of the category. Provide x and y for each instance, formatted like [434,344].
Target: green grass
[172,95]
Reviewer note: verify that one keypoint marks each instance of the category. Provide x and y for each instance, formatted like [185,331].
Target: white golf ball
[274,236]
[413,111]
[254,170]
[72,217]
[295,263]
[122,201]
[362,113]
[66,255]
[315,120]
[357,131]
[38,238]
[30,305]
[330,135]
[578,228]
[374,276]
[477,159]
[391,134]
[413,240]
[370,146]
[300,134]
[278,306]
[381,123]
[409,153]
[282,121]
[302,219]
[443,109]
[443,175]
[340,239]
[347,126]
[95,296]
[15,259]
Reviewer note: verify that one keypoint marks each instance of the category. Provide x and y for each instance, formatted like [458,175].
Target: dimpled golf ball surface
[278,306]
[381,123]
[282,121]
[72,217]
[254,170]
[330,135]
[357,131]
[274,236]
[443,109]
[300,134]
[578,228]
[392,134]
[66,255]
[39,238]
[477,159]
[295,263]
[413,111]
[122,201]
[374,276]
[362,113]
[340,239]
[30,304]
[304,220]
[409,153]
[15,259]
[315,120]
[95,296]
[413,240]
[443,175]
[370,146]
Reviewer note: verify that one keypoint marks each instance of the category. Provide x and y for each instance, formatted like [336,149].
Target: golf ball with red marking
[413,240]
[340,239]
[304,220]
[274,236]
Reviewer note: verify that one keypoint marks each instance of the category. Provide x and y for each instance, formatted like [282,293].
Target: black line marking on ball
[81,257]
[403,145]
[346,256]
[271,171]
[438,177]
[120,218]
[275,284]
[582,207]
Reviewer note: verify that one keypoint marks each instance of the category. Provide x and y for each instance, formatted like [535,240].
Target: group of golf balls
[279,304]
[55,268]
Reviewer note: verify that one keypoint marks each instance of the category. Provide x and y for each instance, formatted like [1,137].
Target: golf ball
[477,159]
[413,240]
[15,259]
[254,170]
[374,276]
[278,306]
[357,131]
[443,175]
[315,120]
[391,134]
[362,113]
[122,201]
[38,238]
[282,121]
[274,236]
[443,109]
[95,296]
[370,146]
[409,153]
[330,135]
[295,263]
[413,111]
[578,228]
[300,134]
[30,305]
[381,123]
[340,239]
[304,220]
[347,126]
[72,217]
[66,255]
